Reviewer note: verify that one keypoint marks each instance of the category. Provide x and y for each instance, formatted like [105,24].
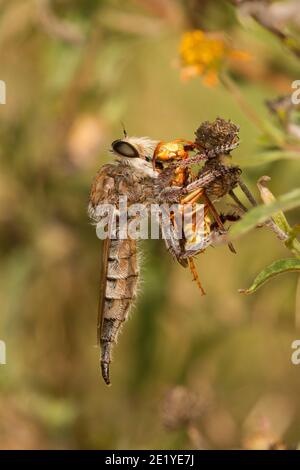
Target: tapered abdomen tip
[105,372]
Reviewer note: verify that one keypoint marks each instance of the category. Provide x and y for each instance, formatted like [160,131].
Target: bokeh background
[188,371]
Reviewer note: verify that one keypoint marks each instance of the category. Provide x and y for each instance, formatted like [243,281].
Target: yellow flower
[205,54]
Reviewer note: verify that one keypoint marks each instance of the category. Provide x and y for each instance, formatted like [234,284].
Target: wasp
[147,171]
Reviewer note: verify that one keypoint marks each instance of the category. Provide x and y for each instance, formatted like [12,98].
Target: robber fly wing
[120,267]
[103,191]
[103,279]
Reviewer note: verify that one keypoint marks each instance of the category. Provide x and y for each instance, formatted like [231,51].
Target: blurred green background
[188,371]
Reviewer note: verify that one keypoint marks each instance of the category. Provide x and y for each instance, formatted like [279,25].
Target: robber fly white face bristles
[136,152]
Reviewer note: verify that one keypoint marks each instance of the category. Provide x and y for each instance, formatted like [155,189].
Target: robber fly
[147,171]
[132,176]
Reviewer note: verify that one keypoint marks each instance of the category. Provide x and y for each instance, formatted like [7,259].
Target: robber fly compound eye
[125,149]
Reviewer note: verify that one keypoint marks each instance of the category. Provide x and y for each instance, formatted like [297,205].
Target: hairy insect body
[214,180]
[120,259]
[119,293]
[224,178]
[149,171]
[176,150]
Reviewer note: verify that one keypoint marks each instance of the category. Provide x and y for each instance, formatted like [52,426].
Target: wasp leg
[195,274]
[192,198]
[217,219]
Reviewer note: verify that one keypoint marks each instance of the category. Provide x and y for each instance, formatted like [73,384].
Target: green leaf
[294,231]
[268,197]
[292,243]
[292,44]
[278,267]
[261,213]
[269,156]
[272,134]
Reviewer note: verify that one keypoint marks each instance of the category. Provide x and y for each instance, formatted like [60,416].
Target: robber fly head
[136,152]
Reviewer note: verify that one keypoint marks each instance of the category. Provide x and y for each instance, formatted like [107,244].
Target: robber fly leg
[170,194]
[268,223]
[171,240]
[247,193]
[198,158]
[202,182]
[174,248]
[237,201]
[226,218]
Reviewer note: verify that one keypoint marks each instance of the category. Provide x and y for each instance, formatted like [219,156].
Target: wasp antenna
[124,130]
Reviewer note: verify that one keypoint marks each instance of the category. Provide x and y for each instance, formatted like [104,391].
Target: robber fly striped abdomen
[120,289]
